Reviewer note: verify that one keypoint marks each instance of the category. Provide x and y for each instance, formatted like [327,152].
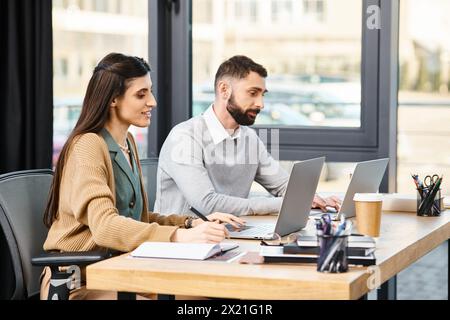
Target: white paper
[175,250]
[400,202]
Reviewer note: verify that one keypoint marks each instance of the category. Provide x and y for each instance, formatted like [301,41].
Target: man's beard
[241,117]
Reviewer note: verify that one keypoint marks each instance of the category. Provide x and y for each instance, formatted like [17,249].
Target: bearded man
[210,161]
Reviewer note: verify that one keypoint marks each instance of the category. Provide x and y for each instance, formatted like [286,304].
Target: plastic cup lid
[368,197]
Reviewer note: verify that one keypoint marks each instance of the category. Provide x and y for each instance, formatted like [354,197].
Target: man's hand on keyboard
[326,204]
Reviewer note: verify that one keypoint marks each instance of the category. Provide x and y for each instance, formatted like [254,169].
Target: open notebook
[175,250]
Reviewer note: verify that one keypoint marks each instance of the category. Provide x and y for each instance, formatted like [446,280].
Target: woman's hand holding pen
[211,231]
[219,217]
[205,232]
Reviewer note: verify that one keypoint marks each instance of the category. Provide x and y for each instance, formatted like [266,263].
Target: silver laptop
[294,212]
[365,179]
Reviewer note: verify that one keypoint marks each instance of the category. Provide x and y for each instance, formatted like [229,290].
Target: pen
[200,215]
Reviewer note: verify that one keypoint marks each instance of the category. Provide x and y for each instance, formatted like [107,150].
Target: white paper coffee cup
[368,197]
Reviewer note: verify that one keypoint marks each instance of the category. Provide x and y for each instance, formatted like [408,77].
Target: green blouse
[129,199]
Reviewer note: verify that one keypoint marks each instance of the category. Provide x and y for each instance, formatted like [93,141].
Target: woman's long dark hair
[109,81]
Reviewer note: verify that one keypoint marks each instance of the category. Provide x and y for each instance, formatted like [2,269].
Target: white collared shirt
[216,129]
[203,165]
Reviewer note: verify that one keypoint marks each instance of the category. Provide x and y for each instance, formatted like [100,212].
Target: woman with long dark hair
[97,199]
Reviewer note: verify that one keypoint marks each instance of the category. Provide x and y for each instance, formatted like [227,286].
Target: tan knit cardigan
[87,215]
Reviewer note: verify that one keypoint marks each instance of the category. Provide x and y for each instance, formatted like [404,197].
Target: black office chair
[23,196]
[149,172]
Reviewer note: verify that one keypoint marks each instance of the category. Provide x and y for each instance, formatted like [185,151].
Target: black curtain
[26,85]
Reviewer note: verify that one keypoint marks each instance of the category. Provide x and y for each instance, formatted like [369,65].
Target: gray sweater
[203,166]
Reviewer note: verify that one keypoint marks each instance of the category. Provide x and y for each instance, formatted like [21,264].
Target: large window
[424,98]
[312,50]
[84,31]
[332,71]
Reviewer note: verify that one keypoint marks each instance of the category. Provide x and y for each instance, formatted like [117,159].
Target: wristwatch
[188,222]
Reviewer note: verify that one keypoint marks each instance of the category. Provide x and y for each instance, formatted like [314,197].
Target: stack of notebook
[360,251]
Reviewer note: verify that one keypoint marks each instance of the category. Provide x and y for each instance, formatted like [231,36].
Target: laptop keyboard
[232,229]
[258,230]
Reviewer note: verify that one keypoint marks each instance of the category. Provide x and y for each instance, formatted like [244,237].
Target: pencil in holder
[429,203]
[332,254]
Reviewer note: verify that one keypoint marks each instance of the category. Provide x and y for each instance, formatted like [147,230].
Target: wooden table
[404,239]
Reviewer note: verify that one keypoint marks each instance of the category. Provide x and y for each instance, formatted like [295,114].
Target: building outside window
[424,97]
[84,31]
[314,65]
[314,9]
[244,11]
[314,68]
[283,11]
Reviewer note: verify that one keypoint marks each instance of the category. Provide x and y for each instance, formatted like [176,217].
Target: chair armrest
[57,259]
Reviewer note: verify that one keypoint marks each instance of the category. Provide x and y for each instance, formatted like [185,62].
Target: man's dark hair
[238,67]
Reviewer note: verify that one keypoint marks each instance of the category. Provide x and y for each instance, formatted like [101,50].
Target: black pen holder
[427,207]
[332,254]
